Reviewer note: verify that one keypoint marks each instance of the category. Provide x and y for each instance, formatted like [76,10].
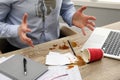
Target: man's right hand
[22,31]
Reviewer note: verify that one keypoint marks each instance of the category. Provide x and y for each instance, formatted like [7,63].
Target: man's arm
[67,11]
[76,18]
[6,30]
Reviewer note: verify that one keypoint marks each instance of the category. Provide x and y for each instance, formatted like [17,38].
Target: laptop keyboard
[112,44]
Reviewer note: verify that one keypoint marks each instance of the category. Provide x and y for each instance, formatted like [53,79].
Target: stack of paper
[61,73]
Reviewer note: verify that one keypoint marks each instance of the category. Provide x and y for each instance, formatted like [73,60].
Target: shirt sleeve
[67,11]
[6,30]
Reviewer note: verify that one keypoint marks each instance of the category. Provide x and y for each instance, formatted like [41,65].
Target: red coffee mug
[92,54]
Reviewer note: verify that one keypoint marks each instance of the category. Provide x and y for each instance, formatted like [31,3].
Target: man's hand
[81,20]
[22,31]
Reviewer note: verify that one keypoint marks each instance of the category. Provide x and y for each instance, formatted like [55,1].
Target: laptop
[106,39]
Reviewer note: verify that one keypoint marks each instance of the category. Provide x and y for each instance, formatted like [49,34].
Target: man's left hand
[81,20]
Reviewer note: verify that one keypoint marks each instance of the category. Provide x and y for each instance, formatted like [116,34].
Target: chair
[3,45]
[66,31]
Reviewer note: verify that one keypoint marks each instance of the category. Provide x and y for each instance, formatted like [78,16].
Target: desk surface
[105,69]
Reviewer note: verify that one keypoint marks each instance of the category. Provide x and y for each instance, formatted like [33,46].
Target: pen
[59,76]
[25,66]
[71,47]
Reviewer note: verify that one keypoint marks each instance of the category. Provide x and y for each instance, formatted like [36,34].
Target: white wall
[105,13]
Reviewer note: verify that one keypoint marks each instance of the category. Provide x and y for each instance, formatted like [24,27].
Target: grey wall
[104,15]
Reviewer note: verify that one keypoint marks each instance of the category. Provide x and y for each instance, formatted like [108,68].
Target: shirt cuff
[70,19]
[13,32]
[68,16]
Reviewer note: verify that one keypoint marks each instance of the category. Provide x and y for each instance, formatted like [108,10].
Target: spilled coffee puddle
[53,47]
[80,62]
[63,46]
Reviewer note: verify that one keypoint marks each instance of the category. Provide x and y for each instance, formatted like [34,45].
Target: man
[21,21]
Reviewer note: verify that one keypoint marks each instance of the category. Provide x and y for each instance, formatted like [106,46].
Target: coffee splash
[63,46]
[80,62]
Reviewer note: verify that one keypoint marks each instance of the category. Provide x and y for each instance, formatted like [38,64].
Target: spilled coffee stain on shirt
[51,5]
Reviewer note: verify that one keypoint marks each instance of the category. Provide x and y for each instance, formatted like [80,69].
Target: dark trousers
[7,47]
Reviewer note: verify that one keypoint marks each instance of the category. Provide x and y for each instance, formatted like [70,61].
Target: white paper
[61,73]
[3,77]
[55,58]
[5,58]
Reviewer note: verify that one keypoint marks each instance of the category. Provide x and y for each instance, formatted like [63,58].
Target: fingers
[90,27]
[91,18]
[23,29]
[91,23]
[27,40]
[24,23]
[82,9]
[83,31]
[24,20]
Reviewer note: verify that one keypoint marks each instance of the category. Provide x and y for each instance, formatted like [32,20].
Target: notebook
[13,68]
[106,39]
